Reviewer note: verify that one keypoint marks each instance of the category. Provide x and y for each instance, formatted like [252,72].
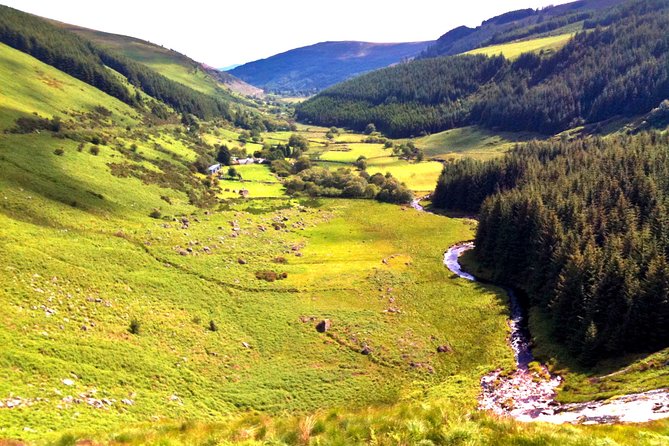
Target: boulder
[366,350]
[323,325]
[444,349]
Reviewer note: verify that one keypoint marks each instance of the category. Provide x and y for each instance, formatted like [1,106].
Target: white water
[530,396]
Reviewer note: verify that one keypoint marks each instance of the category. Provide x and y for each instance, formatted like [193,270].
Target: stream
[528,393]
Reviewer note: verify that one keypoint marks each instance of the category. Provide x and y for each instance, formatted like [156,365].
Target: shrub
[59,152]
[156,213]
[213,326]
[135,326]
[30,125]
[95,150]
[270,276]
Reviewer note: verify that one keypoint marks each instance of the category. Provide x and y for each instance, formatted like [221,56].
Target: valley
[190,260]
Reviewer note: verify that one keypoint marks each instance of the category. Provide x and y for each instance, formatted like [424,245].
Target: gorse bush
[135,326]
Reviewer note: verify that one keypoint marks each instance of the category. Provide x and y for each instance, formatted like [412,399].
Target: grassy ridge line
[169,63]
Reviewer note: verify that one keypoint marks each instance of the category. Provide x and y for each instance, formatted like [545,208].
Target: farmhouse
[211,170]
[249,160]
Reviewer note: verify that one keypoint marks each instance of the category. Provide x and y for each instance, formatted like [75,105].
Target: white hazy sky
[225,32]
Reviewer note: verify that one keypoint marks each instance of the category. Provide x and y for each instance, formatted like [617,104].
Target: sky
[227,32]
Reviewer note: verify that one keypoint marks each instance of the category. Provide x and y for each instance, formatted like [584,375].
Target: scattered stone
[366,350]
[127,402]
[68,382]
[241,261]
[323,325]
[444,349]
[246,345]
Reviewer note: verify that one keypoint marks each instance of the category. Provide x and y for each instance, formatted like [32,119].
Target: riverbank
[528,394]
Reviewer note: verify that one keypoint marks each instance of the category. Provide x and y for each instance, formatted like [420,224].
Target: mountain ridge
[311,68]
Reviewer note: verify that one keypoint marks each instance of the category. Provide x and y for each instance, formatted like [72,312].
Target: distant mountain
[310,69]
[169,63]
[516,25]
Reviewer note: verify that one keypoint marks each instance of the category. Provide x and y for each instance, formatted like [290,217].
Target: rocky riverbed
[528,394]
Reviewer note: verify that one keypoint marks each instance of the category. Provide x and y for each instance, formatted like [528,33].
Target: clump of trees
[583,228]
[346,183]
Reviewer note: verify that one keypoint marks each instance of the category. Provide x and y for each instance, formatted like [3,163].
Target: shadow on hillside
[40,176]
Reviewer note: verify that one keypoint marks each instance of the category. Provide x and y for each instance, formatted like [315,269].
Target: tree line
[583,227]
[620,67]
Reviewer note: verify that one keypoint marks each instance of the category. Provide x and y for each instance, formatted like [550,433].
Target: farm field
[471,142]
[512,50]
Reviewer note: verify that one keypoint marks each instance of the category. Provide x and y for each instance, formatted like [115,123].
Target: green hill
[518,25]
[310,69]
[169,63]
[617,68]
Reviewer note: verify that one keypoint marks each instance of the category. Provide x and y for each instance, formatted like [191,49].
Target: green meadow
[471,142]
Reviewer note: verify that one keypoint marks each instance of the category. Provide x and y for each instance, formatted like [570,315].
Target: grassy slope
[169,63]
[512,50]
[30,86]
[472,142]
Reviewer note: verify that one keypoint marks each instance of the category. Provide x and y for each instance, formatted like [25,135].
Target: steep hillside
[620,67]
[310,69]
[520,24]
[171,64]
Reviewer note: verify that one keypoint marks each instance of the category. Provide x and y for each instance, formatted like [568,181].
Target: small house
[212,170]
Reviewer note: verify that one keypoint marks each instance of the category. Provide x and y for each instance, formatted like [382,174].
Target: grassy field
[419,177]
[135,314]
[349,153]
[257,179]
[512,50]
[471,142]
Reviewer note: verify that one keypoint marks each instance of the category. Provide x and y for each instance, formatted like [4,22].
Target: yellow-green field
[512,50]
[419,177]
[349,153]
[472,142]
